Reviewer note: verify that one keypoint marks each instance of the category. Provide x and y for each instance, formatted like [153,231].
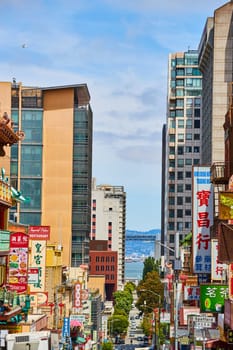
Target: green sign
[212,297]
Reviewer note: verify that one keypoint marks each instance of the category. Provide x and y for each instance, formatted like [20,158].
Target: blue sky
[120,49]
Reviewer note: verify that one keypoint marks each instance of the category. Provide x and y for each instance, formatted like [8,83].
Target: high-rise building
[52,166]
[183,145]
[215,61]
[109,222]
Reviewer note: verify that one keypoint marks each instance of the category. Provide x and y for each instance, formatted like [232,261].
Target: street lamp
[177,268]
[157,338]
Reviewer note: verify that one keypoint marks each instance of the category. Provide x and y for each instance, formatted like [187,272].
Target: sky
[120,49]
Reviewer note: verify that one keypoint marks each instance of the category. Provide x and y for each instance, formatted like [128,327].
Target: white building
[109,221]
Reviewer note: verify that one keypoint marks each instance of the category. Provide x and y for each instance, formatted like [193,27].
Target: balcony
[7,135]
[220,173]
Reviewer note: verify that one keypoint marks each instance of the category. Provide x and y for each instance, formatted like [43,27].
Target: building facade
[215,62]
[109,222]
[183,145]
[52,166]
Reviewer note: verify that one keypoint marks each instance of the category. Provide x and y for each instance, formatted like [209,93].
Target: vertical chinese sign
[77,295]
[218,270]
[202,219]
[18,262]
[36,273]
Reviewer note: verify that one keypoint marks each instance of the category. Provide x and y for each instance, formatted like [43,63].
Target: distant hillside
[155,231]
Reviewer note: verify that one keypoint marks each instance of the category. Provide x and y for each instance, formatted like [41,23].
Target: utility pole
[177,268]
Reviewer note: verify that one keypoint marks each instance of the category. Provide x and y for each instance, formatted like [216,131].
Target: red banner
[18,262]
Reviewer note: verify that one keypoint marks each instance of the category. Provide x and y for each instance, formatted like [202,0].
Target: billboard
[212,297]
[202,219]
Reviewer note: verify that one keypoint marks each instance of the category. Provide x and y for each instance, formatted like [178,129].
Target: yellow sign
[226,205]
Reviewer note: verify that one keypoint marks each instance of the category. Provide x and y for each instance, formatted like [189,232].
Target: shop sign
[39,233]
[212,297]
[37,266]
[18,262]
[218,270]
[77,295]
[202,219]
[191,292]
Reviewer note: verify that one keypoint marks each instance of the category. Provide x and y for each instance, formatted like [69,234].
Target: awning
[80,340]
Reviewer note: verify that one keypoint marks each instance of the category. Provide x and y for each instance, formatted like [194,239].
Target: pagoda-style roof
[7,134]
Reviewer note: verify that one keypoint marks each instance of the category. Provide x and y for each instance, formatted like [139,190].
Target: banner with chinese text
[202,219]
[18,262]
[218,270]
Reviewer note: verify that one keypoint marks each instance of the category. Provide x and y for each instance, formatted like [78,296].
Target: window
[171,213]
[172,123]
[179,92]
[197,102]
[171,226]
[189,124]
[196,136]
[180,123]
[196,161]
[180,61]
[172,150]
[188,187]
[172,138]
[189,112]
[180,82]
[196,149]
[172,188]
[179,226]
[179,213]
[188,161]
[171,200]
[188,149]
[171,175]
[180,188]
[180,150]
[188,174]
[180,137]
[197,124]
[189,102]
[189,136]
[188,212]
[179,102]
[179,200]
[171,238]
[180,163]
[188,225]
[180,175]
[172,163]
[187,200]
[197,113]
[180,113]
[180,72]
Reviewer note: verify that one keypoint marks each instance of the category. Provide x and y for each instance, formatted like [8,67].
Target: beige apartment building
[52,166]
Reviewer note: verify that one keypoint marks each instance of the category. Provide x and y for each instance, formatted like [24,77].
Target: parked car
[139,338]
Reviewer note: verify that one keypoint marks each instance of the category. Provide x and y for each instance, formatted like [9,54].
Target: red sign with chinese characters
[77,295]
[18,262]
